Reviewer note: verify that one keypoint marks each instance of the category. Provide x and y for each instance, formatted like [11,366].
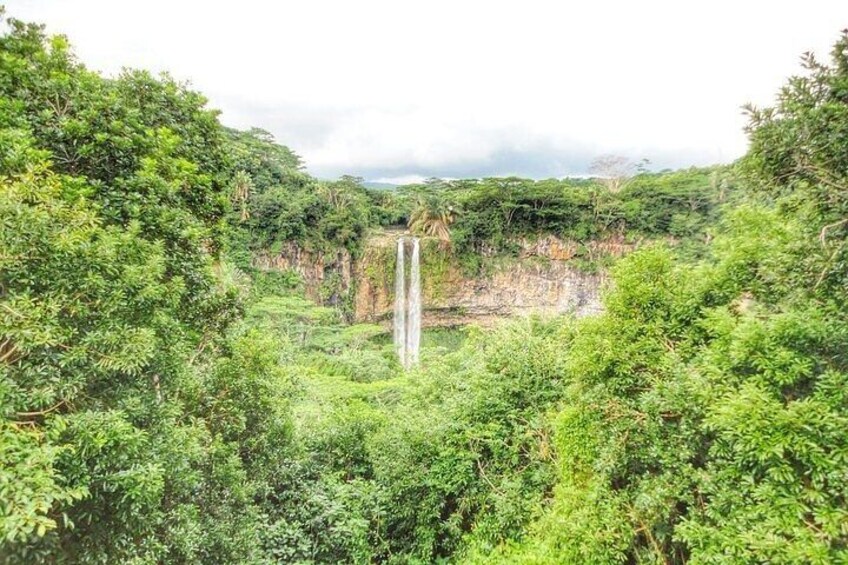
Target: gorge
[542,278]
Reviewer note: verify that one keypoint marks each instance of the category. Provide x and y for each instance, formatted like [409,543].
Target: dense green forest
[163,401]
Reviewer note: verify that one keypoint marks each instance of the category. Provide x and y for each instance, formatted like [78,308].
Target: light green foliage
[418,465]
[700,424]
[625,437]
[467,448]
[29,484]
[437,263]
[257,154]
[706,416]
[706,408]
[432,217]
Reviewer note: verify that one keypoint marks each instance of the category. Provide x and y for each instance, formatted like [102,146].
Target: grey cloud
[296,126]
[304,128]
[540,162]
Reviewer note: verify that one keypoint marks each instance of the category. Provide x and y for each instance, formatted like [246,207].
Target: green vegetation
[163,402]
[492,214]
[275,203]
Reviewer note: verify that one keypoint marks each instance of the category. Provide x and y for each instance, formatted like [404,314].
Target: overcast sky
[393,90]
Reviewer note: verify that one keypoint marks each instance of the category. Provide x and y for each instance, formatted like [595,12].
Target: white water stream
[407,321]
[400,305]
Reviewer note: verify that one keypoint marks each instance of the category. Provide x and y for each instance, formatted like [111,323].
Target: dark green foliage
[255,152]
[491,214]
[282,205]
[287,205]
[124,403]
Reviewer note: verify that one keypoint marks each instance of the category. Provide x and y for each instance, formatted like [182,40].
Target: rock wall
[541,279]
[327,277]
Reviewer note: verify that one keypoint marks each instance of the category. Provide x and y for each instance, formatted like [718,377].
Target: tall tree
[613,171]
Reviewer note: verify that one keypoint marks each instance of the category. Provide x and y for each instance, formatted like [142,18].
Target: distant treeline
[286,204]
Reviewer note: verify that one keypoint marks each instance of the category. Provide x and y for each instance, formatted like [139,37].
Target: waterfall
[413,320]
[407,322]
[400,305]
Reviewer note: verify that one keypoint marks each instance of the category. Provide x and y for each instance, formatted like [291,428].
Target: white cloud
[382,88]
[403,179]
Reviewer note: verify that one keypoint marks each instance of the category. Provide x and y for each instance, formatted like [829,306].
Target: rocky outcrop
[542,278]
[327,277]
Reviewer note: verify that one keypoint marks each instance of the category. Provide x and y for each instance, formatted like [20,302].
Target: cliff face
[541,279]
[327,277]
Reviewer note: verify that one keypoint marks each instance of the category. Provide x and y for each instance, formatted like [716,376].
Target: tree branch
[823,234]
[41,412]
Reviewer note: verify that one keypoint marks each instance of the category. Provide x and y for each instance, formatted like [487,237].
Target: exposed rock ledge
[542,279]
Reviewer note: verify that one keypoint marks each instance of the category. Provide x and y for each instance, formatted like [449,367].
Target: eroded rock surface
[542,279]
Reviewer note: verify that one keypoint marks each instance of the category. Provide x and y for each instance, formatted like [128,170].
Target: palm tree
[335,195]
[432,217]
